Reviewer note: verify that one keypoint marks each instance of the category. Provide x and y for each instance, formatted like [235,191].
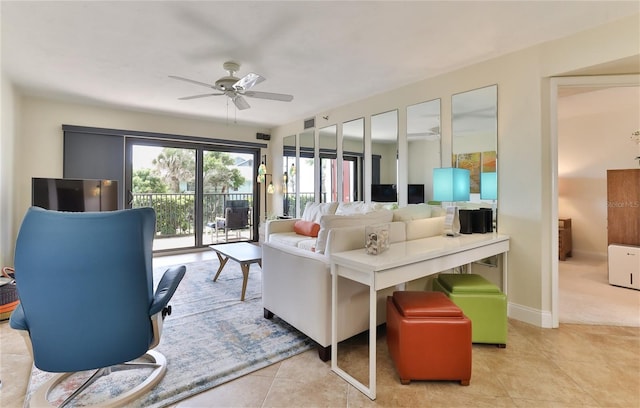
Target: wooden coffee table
[242,252]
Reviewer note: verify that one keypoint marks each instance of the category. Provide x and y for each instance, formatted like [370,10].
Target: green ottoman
[481,301]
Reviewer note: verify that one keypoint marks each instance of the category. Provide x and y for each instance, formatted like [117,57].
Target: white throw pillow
[314,211]
[357,207]
[328,222]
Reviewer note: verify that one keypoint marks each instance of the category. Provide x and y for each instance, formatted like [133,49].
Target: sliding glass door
[191,186]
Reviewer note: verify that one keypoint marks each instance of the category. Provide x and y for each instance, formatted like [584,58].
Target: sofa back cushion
[348,238]
[328,222]
[425,227]
[412,212]
[314,211]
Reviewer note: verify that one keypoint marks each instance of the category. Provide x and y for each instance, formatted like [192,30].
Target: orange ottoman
[428,336]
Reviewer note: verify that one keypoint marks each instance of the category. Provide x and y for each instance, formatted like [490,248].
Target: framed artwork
[471,162]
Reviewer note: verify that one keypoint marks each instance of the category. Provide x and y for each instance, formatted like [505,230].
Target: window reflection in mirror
[475,137]
[289,176]
[306,169]
[424,149]
[352,160]
[384,152]
[328,165]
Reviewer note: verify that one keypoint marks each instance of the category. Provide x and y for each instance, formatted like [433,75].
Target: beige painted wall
[525,154]
[524,150]
[594,134]
[39,144]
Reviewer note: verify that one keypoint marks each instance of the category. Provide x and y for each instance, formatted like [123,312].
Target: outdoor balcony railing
[174,212]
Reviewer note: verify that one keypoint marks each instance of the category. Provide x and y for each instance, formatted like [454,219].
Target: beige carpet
[586,296]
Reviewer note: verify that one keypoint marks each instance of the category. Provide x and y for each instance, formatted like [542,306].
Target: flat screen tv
[416,193]
[74,195]
[384,193]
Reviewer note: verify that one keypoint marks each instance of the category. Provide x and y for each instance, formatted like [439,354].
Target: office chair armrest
[18,320]
[166,288]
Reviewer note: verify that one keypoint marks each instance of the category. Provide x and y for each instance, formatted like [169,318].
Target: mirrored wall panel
[424,149]
[289,176]
[352,160]
[475,139]
[306,169]
[384,156]
[328,164]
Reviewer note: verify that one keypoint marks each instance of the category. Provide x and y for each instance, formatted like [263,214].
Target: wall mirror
[306,170]
[327,143]
[424,149]
[384,156]
[352,160]
[474,142]
[289,176]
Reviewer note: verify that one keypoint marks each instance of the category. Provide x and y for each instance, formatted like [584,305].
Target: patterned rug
[210,338]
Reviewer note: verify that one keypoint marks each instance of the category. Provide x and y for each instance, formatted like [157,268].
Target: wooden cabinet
[623,207]
[564,238]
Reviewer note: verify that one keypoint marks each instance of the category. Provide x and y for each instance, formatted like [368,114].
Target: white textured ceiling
[325,53]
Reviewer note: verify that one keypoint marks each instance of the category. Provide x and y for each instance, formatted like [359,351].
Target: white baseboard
[529,315]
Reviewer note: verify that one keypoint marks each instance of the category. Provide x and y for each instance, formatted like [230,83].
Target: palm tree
[176,165]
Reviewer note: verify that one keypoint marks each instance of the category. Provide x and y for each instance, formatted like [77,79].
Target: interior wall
[9,108]
[594,135]
[39,145]
[524,143]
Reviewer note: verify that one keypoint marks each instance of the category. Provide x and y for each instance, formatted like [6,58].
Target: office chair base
[156,360]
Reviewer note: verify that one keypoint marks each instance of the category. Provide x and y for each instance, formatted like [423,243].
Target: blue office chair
[85,282]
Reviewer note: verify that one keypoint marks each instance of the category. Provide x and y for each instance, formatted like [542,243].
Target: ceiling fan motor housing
[226,83]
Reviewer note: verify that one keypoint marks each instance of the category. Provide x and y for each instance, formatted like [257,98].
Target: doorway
[190,186]
[577,84]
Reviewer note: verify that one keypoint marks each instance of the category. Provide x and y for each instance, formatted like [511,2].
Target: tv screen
[384,193]
[416,193]
[74,195]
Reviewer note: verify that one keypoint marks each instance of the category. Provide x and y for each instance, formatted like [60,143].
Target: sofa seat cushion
[307,244]
[290,239]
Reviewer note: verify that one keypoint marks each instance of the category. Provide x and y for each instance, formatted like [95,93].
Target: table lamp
[451,185]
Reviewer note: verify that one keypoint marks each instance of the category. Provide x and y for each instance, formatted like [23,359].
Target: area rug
[210,338]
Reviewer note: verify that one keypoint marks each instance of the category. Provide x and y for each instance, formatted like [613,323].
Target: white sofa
[296,272]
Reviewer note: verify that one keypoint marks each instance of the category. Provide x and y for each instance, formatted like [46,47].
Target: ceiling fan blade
[248,81]
[269,95]
[184,98]
[240,102]
[192,81]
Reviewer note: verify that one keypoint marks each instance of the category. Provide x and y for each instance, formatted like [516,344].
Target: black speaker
[263,136]
[466,221]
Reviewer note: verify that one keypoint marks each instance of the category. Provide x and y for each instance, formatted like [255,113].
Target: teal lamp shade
[489,186]
[451,184]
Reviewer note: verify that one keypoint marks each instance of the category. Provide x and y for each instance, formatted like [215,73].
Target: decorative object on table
[376,238]
[451,185]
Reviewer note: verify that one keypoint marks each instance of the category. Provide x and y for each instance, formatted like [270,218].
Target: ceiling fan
[236,88]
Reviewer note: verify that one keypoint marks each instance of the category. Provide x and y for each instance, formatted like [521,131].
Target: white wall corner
[536,317]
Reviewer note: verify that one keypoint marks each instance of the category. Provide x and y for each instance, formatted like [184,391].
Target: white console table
[403,262]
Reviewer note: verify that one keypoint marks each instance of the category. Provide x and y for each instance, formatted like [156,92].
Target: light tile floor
[573,366]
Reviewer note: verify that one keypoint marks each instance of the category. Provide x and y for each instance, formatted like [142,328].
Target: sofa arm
[275,226]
